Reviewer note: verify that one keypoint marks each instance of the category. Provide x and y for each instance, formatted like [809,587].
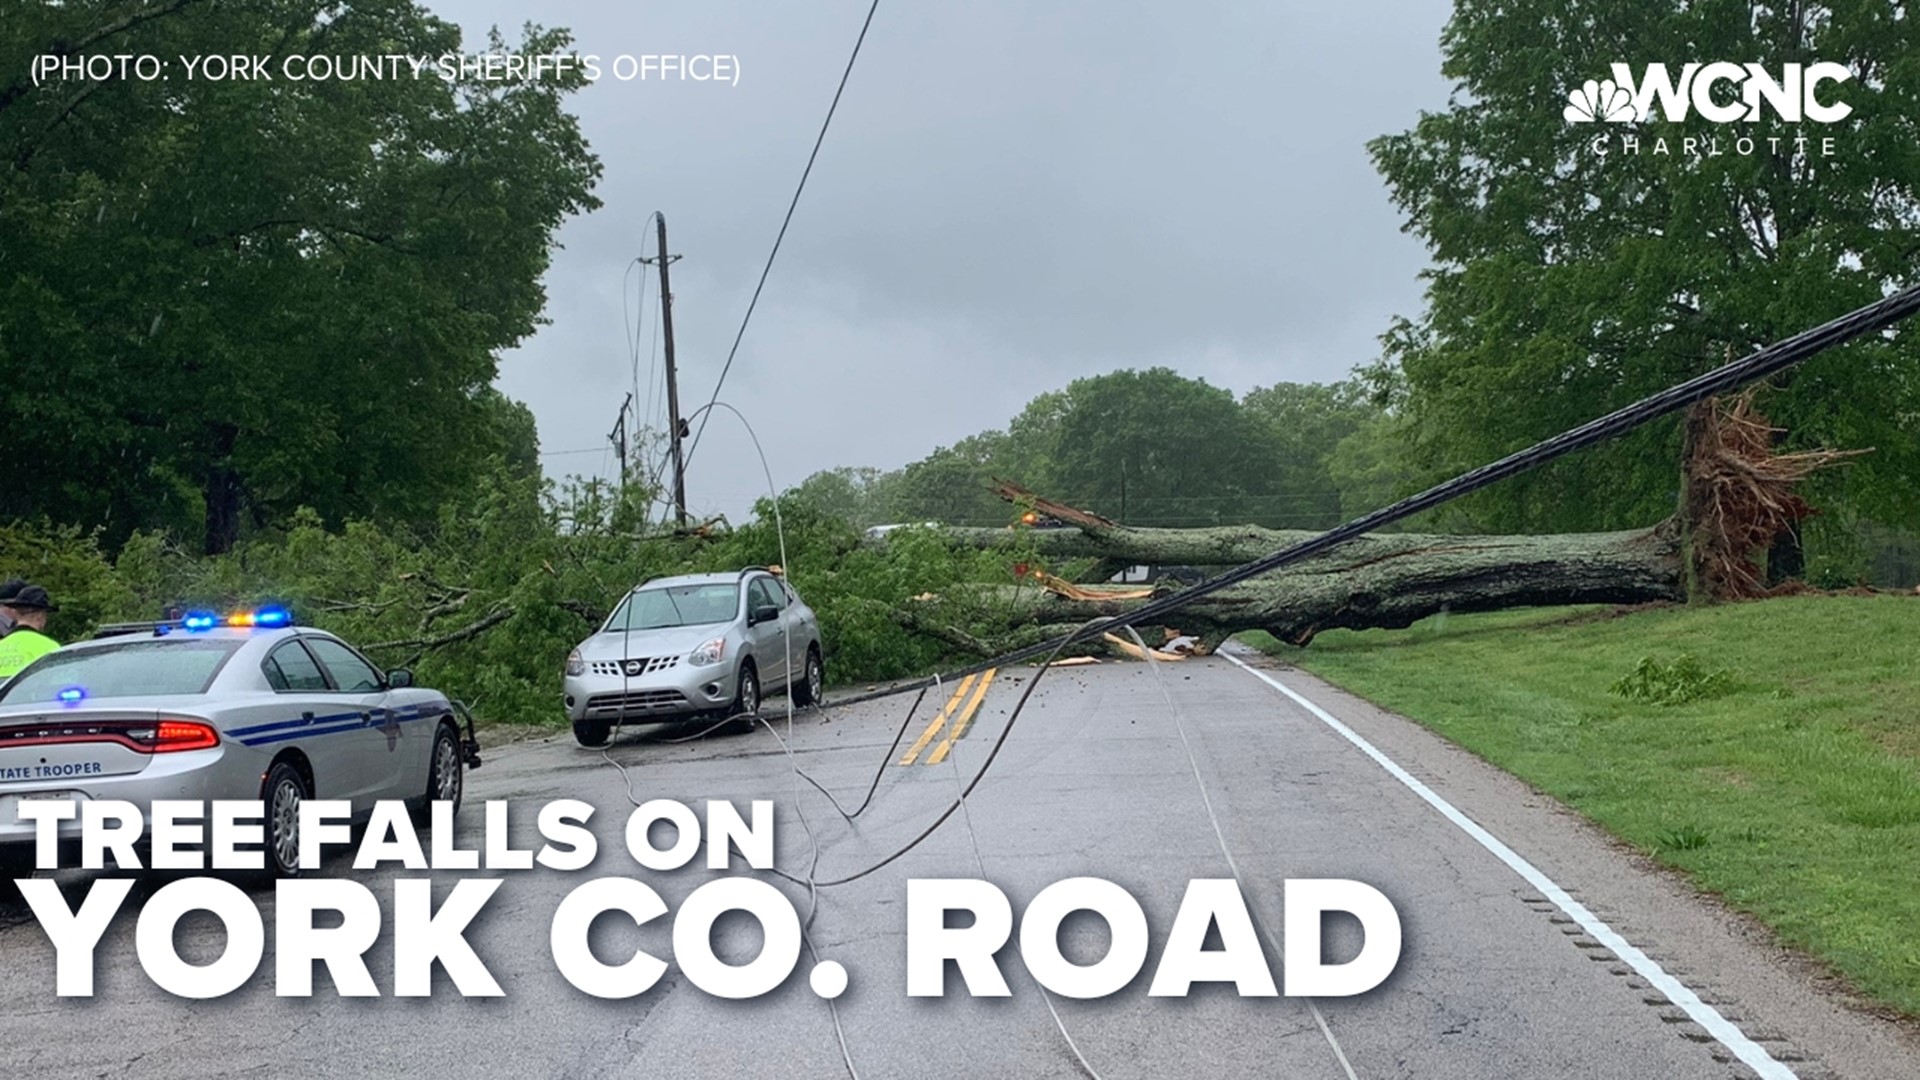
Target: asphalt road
[1496,977]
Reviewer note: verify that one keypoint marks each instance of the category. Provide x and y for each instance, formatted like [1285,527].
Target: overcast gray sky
[1013,195]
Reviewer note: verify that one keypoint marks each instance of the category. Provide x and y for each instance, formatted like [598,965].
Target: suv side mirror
[762,613]
[399,679]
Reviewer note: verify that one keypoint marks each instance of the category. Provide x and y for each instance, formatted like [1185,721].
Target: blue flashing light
[272,618]
[200,620]
[71,696]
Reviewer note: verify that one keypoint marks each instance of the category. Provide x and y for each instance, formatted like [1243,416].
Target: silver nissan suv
[697,645]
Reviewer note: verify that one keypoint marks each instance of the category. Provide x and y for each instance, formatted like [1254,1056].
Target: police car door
[307,702]
[376,748]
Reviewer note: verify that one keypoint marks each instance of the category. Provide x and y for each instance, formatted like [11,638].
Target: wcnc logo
[1793,96]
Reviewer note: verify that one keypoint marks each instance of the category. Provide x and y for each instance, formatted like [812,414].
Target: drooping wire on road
[809,882]
[1220,838]
[980,863]
[980,774]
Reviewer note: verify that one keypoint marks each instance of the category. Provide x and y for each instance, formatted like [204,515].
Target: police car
[247,706]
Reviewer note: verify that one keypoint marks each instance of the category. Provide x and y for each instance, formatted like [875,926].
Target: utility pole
[676,427]
[618,436]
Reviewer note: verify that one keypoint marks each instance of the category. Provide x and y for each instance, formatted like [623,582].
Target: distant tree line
[1153,448]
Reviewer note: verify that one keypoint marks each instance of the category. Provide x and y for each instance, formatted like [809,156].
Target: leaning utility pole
[675,427]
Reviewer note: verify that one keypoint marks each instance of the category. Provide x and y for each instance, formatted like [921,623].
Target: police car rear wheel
[16,861]
[445,777]
[285,790]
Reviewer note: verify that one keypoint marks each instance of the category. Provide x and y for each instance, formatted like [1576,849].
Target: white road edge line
[1723,1030]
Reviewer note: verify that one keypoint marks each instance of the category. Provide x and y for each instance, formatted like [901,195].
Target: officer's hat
[31,598]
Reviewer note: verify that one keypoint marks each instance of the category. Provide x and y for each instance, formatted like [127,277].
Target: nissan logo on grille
[635,667]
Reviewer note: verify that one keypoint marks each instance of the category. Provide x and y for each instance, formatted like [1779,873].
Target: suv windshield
[135,669]
[654,607]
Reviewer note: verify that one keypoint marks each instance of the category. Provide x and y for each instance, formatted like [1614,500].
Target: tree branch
[471,630]
[19,87]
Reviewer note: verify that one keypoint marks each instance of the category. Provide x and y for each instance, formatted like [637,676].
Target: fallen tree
[1738,496]
[1383,581]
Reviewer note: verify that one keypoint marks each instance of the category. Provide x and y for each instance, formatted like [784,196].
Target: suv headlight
[575,665]
[708,652]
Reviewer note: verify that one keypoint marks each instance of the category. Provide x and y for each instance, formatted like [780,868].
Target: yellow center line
[939,722]
[960,726]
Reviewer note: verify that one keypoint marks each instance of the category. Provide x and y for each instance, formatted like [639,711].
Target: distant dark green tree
[1568,282]
[1156,448]
[1309,422]
[1150,447]
[857,496]
[222,300]
[951,485]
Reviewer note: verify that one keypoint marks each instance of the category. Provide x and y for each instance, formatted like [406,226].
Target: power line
[782,235]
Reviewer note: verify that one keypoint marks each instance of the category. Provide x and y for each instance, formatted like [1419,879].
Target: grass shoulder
[1770,750]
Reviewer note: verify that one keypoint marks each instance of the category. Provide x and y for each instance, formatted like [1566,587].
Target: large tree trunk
[1738,500]
[1380,581]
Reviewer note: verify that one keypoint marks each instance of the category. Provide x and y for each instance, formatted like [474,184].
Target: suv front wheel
[591,734]
[746,700]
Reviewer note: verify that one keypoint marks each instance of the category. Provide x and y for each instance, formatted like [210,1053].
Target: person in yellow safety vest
[28,641]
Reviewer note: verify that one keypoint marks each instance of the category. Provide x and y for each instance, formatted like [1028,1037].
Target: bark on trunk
[1380,581]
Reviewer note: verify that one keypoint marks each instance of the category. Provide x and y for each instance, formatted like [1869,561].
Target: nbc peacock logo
[1599,100]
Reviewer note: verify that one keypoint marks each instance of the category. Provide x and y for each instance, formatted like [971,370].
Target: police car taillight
[185,735]
[169,736]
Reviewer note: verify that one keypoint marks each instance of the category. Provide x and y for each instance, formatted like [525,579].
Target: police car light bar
[266,618]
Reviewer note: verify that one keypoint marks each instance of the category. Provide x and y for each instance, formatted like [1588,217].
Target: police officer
[28,641]
[7,592]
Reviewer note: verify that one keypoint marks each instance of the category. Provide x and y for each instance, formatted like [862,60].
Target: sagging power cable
[980,863]
[1751,368]
[1220,838]
[782,234]
[808,883]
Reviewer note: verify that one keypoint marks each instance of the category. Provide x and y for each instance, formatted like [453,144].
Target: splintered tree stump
[1739,496]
